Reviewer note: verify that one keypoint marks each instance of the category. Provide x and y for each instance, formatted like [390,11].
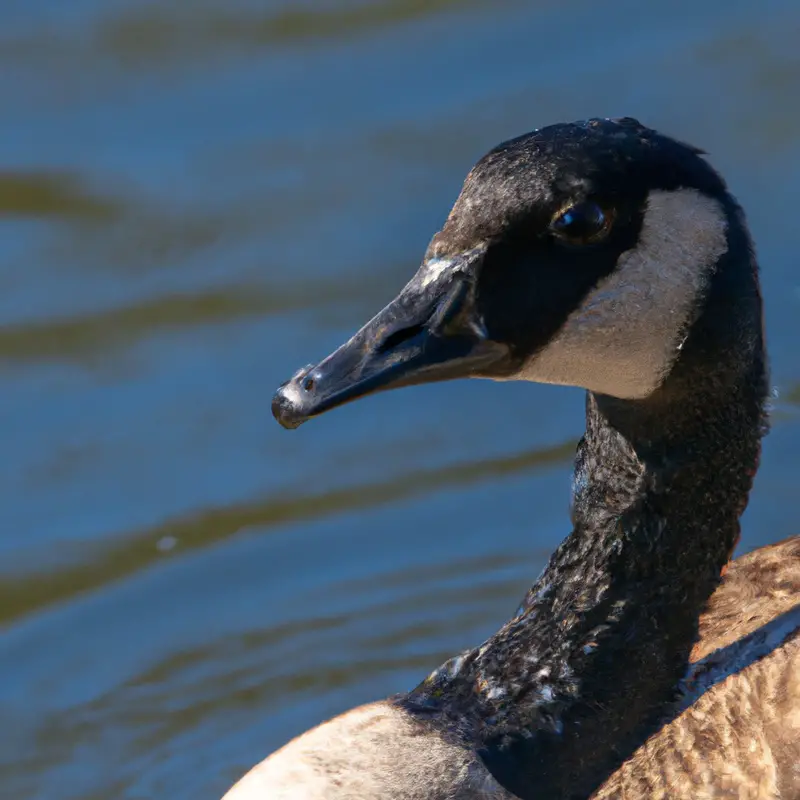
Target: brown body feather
[739,737]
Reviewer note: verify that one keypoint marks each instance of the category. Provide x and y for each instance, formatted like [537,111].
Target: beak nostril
[399,337]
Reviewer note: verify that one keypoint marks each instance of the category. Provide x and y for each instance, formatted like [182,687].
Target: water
[196,198]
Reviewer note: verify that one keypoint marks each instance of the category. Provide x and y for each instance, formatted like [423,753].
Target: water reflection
[43,194]
[130,553]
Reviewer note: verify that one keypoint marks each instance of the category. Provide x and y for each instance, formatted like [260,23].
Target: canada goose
[604,255]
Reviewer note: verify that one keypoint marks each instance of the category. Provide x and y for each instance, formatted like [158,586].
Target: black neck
[568,689]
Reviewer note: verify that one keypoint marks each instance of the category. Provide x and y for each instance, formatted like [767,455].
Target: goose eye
[582,223]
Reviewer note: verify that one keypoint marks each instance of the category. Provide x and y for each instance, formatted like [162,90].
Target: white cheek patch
[623,339]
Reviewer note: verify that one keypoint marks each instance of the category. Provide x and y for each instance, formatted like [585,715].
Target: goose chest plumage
[642,662]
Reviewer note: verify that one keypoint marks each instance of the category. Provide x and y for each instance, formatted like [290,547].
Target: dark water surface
[199,196]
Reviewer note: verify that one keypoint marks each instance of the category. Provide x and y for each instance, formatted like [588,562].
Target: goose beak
[429,332]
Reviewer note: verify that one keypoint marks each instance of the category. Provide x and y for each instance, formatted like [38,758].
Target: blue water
[196,198]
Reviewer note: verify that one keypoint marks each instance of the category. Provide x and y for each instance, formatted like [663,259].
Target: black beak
[429,332]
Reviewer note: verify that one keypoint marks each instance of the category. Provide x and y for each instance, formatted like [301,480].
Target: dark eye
[582,223]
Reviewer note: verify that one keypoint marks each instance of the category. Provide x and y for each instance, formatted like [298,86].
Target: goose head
[580,254]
